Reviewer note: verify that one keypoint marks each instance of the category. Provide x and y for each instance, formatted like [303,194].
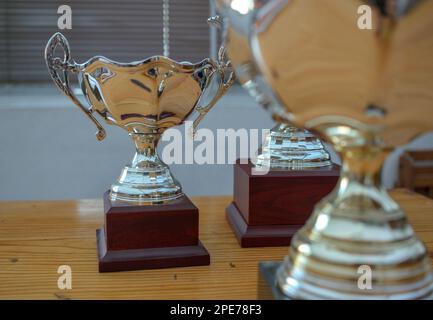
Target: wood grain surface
[37,237]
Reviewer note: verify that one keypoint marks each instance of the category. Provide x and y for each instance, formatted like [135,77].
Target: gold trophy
[359,74]
[149,222]
[299,169]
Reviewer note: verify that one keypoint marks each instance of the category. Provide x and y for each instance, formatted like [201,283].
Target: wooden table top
[36,237]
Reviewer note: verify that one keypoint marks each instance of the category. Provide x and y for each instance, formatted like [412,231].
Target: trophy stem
[145,146]
[290,148]
[358,243]
[147,180]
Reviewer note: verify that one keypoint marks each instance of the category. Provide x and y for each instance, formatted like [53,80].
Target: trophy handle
[227,76]
[67,65]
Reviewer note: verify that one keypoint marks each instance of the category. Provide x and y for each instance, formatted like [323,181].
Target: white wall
[48,150]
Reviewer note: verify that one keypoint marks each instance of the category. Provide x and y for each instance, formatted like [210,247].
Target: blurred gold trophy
[149,221]
[360,74]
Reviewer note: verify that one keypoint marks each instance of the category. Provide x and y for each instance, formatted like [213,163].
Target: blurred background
[47,147]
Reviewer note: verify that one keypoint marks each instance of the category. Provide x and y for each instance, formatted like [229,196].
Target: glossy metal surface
[335,78]
[286,147]
[365,91]
[289,148]
[145,98]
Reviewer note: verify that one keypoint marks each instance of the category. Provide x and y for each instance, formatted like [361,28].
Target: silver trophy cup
[145,98]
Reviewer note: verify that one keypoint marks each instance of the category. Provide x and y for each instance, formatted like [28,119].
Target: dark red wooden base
[138,237]
[261,235]
[268,209]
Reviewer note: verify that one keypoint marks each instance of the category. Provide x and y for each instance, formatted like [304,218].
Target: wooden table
[37,237]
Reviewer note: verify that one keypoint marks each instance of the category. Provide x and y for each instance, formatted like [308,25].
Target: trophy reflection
[365,91]
[145,98]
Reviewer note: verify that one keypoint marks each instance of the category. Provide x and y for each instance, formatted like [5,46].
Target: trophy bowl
[365,89]
[145,98]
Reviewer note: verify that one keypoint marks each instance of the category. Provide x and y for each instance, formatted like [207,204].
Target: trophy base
[267,288]
[268,209]
[258,236]
[153,258]
[138,237]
